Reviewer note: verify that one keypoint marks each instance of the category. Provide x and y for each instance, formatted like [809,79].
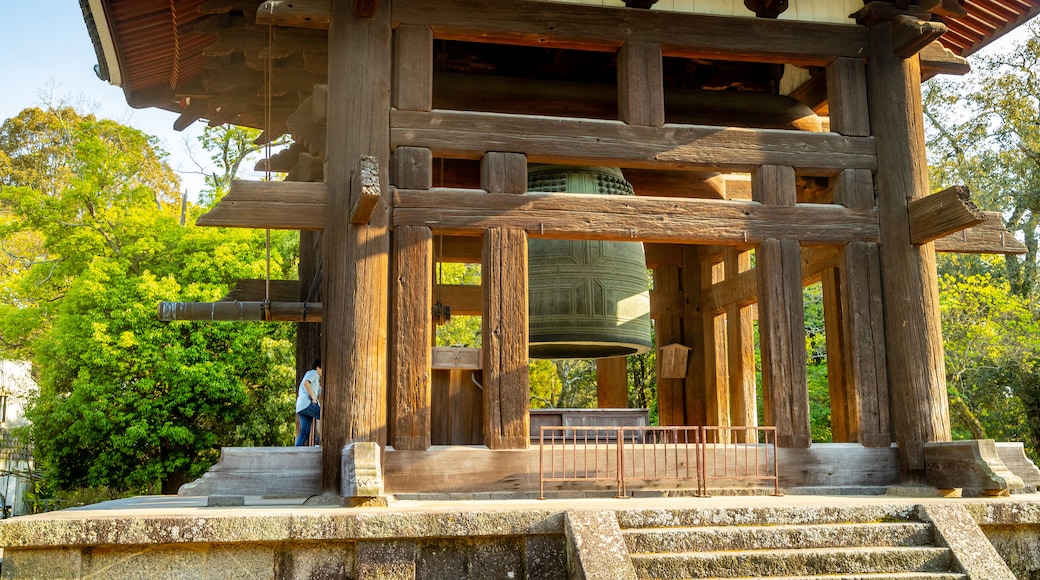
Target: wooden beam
[694,322]
[989,237]
[411,337]
[942,214]
[913,333]
[468,135]
[463,300]
[606,29]
[229,311]
[612,383]
[355,282]
[366,186]
[365,8]
[412,83]
[781,316]
[631,218]
[740,349]
[504,332]
[295,13]
[503,172]
[413,169]
[671,407]
[641,84]
[847,97]
[290,205]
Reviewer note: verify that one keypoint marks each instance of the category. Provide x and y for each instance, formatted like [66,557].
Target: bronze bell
[588,298]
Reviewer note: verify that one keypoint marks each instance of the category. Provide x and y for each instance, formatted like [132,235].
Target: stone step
[717,538]
[766,516]
[882,576]
[791,562]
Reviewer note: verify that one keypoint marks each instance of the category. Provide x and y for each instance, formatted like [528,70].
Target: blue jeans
[305,431]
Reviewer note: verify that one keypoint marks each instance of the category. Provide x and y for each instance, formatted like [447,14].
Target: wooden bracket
[941,214]
[936,59]
[366,182]
[910,35]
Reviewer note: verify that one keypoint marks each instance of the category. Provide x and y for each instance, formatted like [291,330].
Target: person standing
[307,407]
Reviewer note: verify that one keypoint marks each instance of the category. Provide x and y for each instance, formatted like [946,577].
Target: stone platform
[180,537]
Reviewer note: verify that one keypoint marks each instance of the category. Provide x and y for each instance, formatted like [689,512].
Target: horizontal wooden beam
[989,237]
[468,135]
[631,218]
[286,205]
[936,59]
[258,290]
[941,214]
[585,27]
[244,311]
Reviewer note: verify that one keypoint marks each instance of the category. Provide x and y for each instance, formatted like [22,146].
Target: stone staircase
[862,543]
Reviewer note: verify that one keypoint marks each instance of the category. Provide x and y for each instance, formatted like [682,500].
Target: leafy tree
[229,147]
[984,132]
[91,239]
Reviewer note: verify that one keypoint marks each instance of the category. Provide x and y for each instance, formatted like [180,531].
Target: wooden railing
[727,457]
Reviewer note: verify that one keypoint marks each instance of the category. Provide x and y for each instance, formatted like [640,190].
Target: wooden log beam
[632,218]
[468,135]
[259,290]
[680,34]
[366,184]
[252,311]
[942,214]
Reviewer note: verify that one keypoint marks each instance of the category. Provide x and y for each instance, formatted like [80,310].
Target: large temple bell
[588,299]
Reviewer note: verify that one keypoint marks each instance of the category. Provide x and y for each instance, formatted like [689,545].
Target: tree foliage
[984,132]
[89,226]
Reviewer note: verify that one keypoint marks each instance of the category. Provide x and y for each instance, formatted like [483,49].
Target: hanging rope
[268,89]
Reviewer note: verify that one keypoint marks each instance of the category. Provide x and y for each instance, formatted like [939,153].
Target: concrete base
[264,471]
[971,465]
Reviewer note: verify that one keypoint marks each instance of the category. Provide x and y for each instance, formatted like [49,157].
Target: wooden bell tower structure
[430,112]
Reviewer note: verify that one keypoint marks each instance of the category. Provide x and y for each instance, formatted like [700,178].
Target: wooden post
[504,333]
[413,68]
[412,319]
[612,382]
[694,322]
[641,84]
[865,383]
[740,349]
[781,315]
[671,408]
[716,367]
[913,336]
[355,285]
[843,415]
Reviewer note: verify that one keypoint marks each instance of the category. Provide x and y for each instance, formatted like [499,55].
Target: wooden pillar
[612,382]
[740,349]
[716,367]
[781,315]
[641,84]
[694,321]
[412,321]
[859,282]
[671,408]
[355,285]
[504,334]
[842,399]
[913,336]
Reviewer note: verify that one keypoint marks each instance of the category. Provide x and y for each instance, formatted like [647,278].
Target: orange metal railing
[617,456]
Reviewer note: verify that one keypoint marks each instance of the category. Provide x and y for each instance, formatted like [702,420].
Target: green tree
[229,146]
[92,243]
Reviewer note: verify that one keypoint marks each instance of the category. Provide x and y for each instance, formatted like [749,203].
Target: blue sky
[49,58]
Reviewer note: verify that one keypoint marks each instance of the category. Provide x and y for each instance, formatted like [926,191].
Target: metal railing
[616,456]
